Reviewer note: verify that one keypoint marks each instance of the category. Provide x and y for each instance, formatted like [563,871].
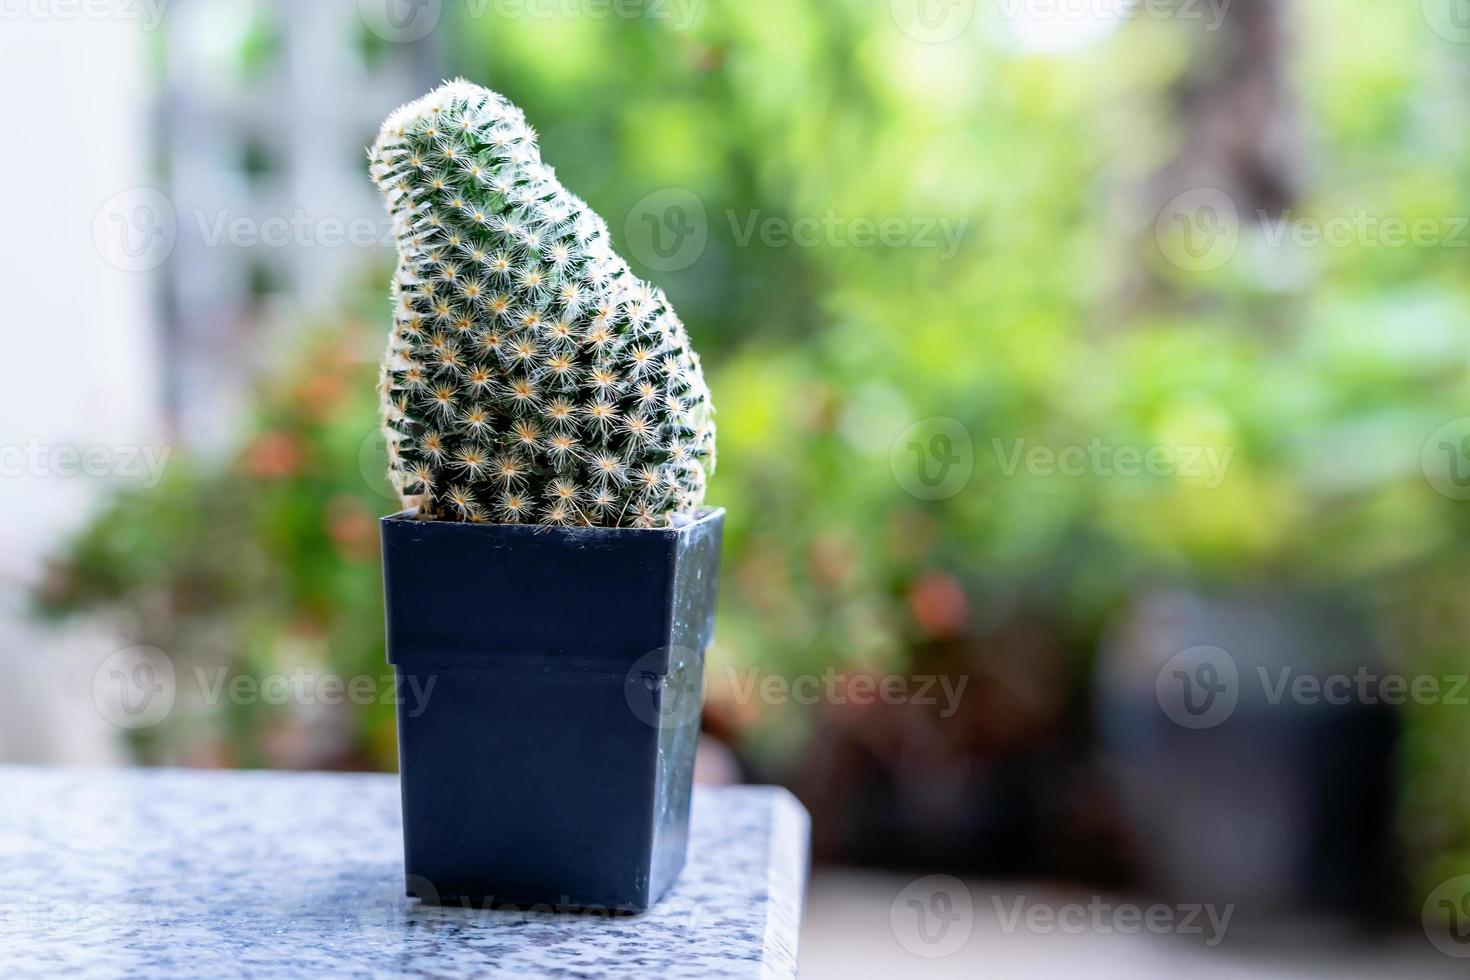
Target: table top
[156,873]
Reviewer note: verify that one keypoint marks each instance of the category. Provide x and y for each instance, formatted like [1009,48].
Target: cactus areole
[530,376]
[550,432]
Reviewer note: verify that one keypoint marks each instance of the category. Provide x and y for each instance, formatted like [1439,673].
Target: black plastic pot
[551,762]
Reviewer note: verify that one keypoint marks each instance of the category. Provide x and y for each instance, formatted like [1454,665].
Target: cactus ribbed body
[530,375]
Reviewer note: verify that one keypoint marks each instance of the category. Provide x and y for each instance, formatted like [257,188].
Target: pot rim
[702,518]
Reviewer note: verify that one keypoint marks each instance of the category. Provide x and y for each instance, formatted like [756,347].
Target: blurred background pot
[1251,765]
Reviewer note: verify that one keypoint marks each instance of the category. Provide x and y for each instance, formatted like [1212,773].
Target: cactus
[530,376]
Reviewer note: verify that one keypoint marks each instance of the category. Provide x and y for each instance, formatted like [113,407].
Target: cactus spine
[530,376]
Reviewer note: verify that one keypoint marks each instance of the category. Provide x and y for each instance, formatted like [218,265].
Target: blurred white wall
[77,338]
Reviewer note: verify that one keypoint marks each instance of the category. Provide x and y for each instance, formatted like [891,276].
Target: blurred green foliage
[262,561]
[1321,370]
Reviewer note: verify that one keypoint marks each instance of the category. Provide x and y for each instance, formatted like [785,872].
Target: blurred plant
[262,561]
[530,375]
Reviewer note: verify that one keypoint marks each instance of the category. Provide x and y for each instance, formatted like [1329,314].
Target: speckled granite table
[159,873]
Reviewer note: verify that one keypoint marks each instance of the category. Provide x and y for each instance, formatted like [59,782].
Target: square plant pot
[547,757]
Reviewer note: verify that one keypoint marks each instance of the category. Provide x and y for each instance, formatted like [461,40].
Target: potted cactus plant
[554,572]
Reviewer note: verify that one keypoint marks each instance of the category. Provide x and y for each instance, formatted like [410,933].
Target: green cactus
[530,376]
